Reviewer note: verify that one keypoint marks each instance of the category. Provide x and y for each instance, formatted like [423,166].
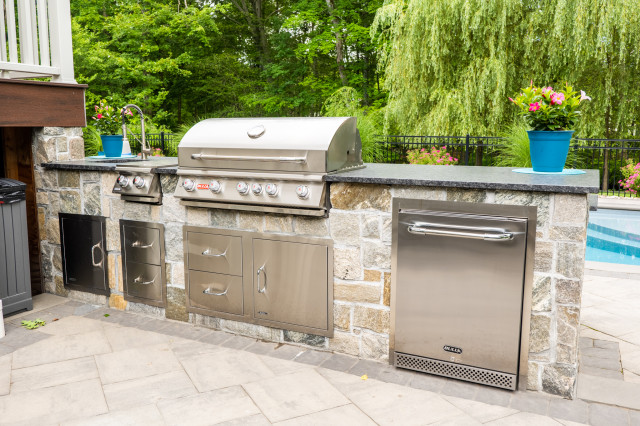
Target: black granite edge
[465,185]
[166,170]
[81,165]
[468,177]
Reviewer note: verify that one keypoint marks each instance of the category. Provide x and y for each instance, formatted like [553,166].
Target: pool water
[613,236]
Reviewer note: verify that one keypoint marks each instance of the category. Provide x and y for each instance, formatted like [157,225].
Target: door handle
[443,231]
[139,281]
[211,293]
[264,289]
[138,244]
[207,252]
[93,257]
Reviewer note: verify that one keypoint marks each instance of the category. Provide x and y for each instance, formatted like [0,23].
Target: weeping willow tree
[451,65]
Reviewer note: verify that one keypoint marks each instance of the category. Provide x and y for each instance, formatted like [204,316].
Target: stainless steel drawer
[144,281]
[142,244]
[215,292]
[214,253]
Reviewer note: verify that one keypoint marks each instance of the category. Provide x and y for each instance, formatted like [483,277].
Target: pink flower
[96,106]
[583,96]
[99,116]
[534,106]
[545,90]
[512,100]
[557,98]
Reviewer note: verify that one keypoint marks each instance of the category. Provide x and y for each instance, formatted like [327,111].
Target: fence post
[466,151]
[162,141]
[575,155]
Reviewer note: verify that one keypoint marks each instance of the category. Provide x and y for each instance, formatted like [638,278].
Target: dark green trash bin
[15,278]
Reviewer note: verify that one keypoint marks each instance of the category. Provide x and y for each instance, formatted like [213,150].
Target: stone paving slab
[268,382]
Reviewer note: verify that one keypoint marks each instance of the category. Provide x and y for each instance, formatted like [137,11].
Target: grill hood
[302,145]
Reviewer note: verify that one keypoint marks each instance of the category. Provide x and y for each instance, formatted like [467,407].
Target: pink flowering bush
[630,182]
[436,156]
[108,120]
[546,109]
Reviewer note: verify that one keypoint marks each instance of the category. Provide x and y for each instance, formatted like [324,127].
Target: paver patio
[87,368]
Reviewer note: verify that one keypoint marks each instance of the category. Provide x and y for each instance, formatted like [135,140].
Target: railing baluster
[11,31]
[34,31]
[3,37]
[43,33]
[26,33]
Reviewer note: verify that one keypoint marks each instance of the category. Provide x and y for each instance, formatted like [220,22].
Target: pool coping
[617,203]
[614,270]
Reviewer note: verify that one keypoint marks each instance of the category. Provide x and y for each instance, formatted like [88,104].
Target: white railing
[38,42]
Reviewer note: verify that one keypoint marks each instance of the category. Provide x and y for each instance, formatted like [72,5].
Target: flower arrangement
[546,109]
[631,173]
[108,120]
[436,156]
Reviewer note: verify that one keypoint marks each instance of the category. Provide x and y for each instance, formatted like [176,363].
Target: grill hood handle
[302,160]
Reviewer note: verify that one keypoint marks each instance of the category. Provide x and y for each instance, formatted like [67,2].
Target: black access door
[84,257]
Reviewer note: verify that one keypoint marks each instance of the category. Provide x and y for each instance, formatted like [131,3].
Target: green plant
[33,324]
[107,119]
[515,152]
[436,156]
[631,172]
[92,141]
[546,109]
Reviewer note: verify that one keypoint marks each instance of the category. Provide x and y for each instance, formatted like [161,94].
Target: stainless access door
[84,257]
[460,280]
[290,283]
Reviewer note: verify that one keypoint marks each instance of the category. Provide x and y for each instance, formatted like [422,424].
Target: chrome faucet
[146,151]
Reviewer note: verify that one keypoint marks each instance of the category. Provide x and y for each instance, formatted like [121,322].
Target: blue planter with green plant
[108,122]
[111,145]
[552,115]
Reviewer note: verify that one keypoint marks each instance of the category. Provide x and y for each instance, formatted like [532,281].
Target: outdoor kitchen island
[359,225]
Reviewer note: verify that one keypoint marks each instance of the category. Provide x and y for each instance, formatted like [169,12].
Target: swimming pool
[613,236]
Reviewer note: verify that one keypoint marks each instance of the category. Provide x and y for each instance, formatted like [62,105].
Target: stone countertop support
[359,223]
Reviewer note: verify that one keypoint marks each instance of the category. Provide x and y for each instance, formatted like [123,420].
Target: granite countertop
[108,165]
[469,177]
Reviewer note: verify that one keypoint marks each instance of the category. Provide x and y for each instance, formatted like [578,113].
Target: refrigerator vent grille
[456,371]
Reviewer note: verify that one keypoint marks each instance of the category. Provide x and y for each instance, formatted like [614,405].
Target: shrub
[630,182]
[436,156]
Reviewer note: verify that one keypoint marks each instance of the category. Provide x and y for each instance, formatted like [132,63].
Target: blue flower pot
[549,149]
[112,145]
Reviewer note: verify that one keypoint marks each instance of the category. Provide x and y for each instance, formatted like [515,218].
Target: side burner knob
[123,181]
[189,185]
[138,182]
[271,189]
[242,188]
[302,191]
[215,186]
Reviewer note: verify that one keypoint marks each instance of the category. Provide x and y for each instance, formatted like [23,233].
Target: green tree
[450,65]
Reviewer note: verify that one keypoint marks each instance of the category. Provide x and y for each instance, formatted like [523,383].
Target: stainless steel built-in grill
[265,164]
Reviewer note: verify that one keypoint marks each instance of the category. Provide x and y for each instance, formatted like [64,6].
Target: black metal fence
[167,143]
[606,155]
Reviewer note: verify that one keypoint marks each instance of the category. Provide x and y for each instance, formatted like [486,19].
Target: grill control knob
[271,189]
[215,186]
[242,188]
[256,188]
[189,185]
[138,182]
[302,191]
[123,181]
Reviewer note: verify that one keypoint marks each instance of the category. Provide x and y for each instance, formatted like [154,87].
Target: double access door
[84,257]
[274,280]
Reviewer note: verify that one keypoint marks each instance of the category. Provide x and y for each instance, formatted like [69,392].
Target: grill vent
[456,371]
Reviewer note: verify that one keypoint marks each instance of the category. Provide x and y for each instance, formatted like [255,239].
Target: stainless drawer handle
[302,160]
[501,236]
[93,257]
[138,244]
[207,252]
[264,289]
[211,293]
[139,281]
